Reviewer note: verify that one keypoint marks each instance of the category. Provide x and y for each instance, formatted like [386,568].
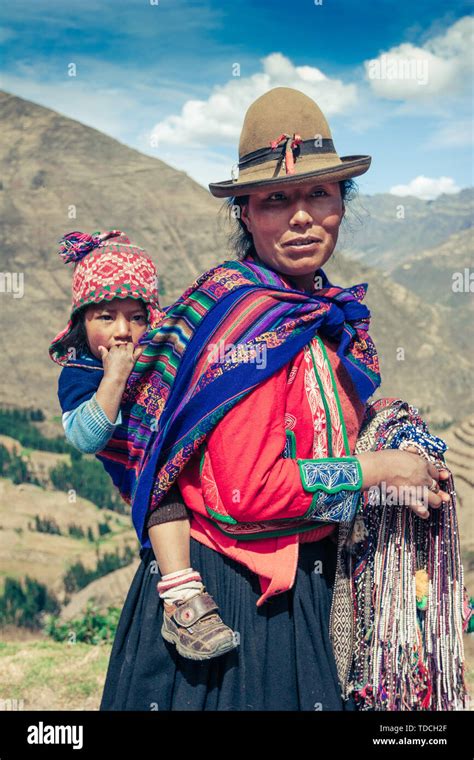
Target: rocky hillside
[422,356]
[59,175]
[446,265]
[109,591]
[459,458]
[46,556]
[386,230]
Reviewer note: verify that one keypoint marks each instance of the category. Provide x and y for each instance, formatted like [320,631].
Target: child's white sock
[180,586]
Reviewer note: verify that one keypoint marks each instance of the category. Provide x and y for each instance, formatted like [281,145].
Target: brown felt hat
[285,138]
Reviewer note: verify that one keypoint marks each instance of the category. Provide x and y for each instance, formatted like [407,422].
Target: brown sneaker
[197,631]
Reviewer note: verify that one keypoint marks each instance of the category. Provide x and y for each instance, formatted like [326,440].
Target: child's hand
[118,361]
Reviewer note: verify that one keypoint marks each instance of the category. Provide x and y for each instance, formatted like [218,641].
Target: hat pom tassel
[75,245]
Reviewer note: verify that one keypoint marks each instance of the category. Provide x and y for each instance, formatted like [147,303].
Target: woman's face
[277,217]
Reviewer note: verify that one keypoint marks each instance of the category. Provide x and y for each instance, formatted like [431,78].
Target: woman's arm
[255,482]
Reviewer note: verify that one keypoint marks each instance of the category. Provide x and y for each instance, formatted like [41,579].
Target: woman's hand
[404,470]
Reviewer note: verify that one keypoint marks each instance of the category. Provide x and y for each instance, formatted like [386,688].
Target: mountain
[385,230]
[47,556]
[446,264]
[58,175]
[421,357]
[459,457]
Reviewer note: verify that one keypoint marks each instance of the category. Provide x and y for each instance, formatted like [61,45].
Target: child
[115,301]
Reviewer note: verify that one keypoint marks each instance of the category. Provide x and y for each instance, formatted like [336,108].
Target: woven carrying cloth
[399,602]
[179,390]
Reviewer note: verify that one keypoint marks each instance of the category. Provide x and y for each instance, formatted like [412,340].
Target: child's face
[112,323]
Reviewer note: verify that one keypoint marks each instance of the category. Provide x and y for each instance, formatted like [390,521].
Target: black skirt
[284,661]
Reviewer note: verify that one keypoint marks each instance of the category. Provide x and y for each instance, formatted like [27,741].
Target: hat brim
[350,166]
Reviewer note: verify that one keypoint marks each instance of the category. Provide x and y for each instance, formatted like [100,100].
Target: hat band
[305,148]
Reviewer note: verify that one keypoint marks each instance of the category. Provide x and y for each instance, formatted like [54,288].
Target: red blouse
[254,481]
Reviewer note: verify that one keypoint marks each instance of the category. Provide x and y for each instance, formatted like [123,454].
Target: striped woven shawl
[239,323]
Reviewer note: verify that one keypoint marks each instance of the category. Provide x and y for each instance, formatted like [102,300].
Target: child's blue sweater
[85,423]
[88,428]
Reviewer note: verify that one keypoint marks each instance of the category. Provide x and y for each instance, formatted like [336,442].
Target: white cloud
[456,134]
[426,188]
[219,118]
[441,67]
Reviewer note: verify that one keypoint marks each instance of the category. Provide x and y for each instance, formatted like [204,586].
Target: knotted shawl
[202,359]
[184,384]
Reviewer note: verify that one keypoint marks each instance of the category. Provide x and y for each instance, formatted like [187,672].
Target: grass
[50,675]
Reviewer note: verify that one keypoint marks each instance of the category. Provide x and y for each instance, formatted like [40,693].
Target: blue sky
[173,78]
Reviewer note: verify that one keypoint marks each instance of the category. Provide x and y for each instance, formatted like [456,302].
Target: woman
[251,396]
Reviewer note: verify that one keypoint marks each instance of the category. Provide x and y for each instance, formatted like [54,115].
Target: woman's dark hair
[241,241]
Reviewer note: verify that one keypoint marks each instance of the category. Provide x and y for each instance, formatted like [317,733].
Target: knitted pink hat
[107,266]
